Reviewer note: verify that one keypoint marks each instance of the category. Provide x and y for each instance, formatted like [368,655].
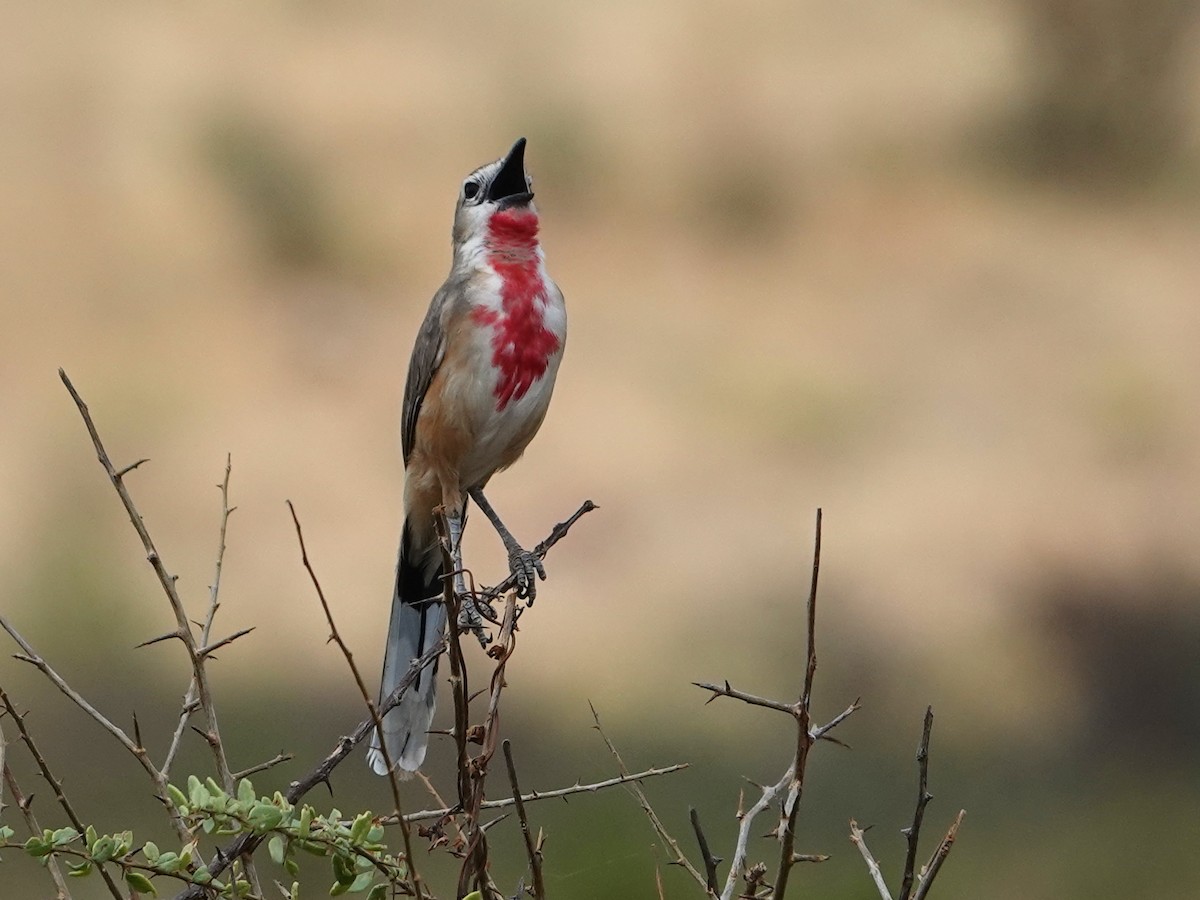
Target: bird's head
[495,203]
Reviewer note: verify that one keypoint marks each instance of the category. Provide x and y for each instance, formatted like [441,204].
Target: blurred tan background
[931,267]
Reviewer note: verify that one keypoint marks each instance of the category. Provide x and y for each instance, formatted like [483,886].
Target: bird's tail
[418,619]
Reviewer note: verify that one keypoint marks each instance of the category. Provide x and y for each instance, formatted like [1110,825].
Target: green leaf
[338,889]
[246,791]
[150,851]
[264,816]
[214,790]
[295,890]
[201,875]
[316,848]
[64,836]
[474,895]
[379,892]
[124,841]
[89,836]
[306,816]
[362,882]
[343,870]
[375,835]
[177,797]
[104,848]
[168,863]
[276,847]
[359,829]
[80,870]
[139,883]
[197,795]
[293,867]
[35,846]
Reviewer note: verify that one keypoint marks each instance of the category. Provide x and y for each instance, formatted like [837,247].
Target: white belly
[501,431]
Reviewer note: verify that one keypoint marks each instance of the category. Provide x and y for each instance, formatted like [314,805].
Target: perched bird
[479,384]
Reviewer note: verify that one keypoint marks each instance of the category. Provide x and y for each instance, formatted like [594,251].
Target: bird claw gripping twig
[524,565]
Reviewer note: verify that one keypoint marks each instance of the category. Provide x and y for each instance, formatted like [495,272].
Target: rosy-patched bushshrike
[479,383]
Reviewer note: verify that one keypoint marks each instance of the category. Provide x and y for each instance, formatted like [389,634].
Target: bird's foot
[524,566]
[470,620]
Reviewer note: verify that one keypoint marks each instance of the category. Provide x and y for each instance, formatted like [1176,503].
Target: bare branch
[811,670]
[792,709]
[376,718]
[679,858]
[24,804]
[939,856]
[190,700]
[55,785]
[262,766]
[913,831]
[710,861]
[428,814]
[856,836]
[740,851]
[804,740]
[32,657]
[821,734]
[209,649]
[534,853]
[168,585]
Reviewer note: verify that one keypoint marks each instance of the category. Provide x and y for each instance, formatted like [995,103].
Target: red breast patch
[521,343]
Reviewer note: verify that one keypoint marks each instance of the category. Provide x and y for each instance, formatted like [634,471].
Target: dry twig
[336,637]
[532,851]
[25,805]
[914,885]
[856,837]
[426,815]
[710,861]
[939,856]
[55,784]
[183,631]
[791,785]
[679,858]
[913,831]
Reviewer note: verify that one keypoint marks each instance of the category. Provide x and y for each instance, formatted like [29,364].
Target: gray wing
[427,354]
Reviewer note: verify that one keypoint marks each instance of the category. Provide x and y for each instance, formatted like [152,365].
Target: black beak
[509,187]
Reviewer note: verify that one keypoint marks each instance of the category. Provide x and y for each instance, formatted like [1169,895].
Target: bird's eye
[471,189]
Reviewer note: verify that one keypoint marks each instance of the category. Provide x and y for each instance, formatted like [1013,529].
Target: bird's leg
[468,616]
[523,564]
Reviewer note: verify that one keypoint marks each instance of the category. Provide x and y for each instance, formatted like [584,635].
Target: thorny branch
[678,856]
[25,805]
[482,599]
[913,831]
[470,770]
[157,776]
[532,850]
[804,739]
[710,861]
[856,838]
[791,786]
[426,815]
[924,878]
[167,580]
[321,773]
[336,637]
[939,856]
[55,784]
